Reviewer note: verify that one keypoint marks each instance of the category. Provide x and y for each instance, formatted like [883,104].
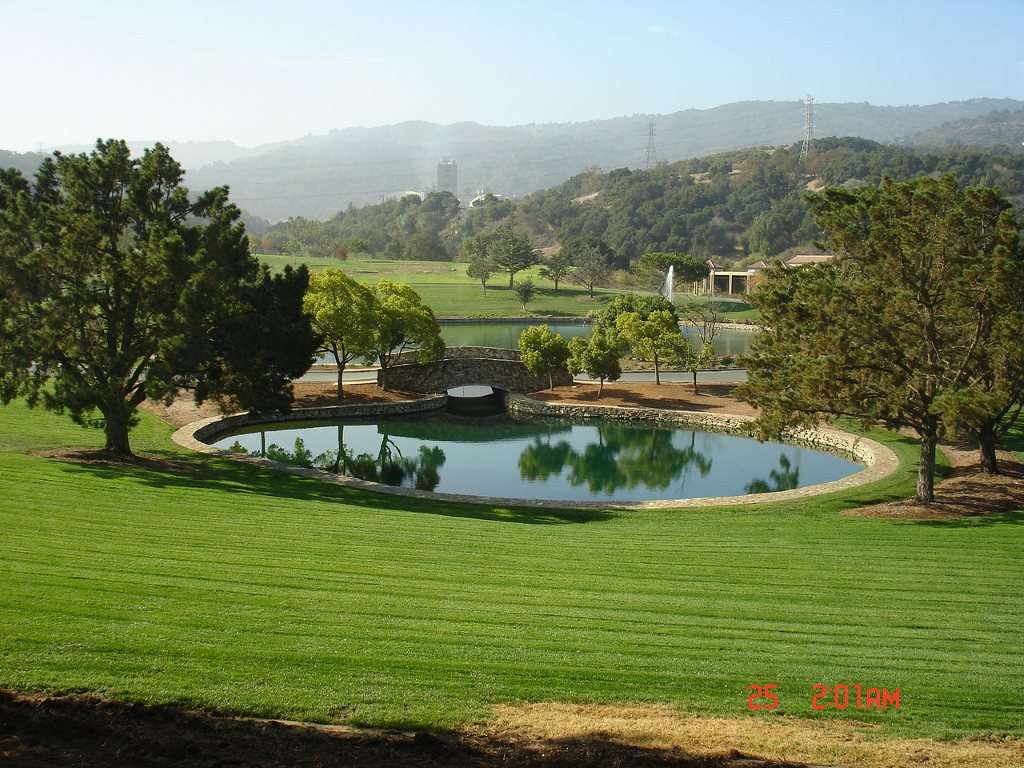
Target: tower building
[448,177]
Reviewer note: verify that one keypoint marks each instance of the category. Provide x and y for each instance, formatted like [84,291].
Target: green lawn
[446,288]
[242,590]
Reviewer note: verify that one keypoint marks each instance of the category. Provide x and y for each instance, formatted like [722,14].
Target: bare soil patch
[967,492]
[711,398]
[77,730]
[39,731]
[183,410]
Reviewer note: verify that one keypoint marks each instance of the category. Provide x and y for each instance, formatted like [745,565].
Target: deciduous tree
[343,316]
[402,321]
[599,357]
[543,352]
[557,266]
[590,268]
[652,267]
[655,338]
[525,290]
[481,268]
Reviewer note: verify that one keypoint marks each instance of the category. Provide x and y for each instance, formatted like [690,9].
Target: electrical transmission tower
[805,148]
[652,155]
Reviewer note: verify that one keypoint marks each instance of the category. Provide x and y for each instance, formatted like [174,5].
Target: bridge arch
[488,366]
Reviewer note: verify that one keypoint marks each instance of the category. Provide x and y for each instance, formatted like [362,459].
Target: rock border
[879,460]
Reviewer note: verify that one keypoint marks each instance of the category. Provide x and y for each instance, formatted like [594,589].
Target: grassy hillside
[212,584]
[447,289]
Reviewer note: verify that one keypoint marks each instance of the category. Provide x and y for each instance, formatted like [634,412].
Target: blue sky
[258,71]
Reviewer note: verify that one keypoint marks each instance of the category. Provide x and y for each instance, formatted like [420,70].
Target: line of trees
[645,326]
[916,326]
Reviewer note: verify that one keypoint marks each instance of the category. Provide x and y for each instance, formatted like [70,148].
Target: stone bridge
[498,368]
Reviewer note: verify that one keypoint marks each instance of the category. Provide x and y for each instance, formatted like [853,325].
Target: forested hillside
[736,206]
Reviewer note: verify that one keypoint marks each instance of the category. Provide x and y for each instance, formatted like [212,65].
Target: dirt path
[712,398]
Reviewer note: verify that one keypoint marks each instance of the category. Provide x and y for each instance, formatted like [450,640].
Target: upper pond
[727,342]
[544,459]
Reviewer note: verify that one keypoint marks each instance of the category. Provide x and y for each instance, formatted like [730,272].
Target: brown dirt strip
[967,492]
[38,732]
[832,741]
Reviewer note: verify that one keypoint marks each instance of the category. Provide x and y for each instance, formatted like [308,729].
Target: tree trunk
[600,387]
[657,371]
[511,279]
[556,285]
[926,470]
[987,449]
[484,287]
[116,429]
[590,288]
[551,380]
[339,464]
[383,375]
[694,372]
[341,382]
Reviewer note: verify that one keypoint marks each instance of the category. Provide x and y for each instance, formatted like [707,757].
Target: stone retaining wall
[860,449]
[211,429]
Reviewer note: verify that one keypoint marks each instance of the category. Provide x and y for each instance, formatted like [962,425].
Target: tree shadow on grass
[38,731]
[197,472]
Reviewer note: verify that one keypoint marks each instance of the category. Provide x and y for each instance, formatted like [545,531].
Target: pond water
[545,459]
[727,342]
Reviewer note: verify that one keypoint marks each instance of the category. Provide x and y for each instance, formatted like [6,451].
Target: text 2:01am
[765,697]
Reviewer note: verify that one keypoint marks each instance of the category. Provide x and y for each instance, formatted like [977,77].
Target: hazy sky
[259,71]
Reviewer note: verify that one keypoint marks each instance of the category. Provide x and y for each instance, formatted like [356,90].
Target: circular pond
[551,460]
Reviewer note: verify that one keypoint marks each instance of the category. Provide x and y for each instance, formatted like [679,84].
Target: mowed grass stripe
[239,589]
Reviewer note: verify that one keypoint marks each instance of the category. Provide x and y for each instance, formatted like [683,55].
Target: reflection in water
[389,466]
[544,459]
[622,457]
[785,478]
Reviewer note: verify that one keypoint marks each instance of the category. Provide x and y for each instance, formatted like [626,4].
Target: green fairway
[448,291]
[229,587]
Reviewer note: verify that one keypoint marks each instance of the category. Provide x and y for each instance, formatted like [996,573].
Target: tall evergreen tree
[891,332]
[116,286]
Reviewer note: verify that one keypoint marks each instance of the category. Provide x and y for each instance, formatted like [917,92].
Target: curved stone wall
[880,461]
[198,434]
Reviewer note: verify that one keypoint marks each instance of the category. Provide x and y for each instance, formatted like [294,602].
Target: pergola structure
[730,282]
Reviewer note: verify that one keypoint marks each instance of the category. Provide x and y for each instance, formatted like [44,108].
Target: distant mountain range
[315,176]
[1001,128]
